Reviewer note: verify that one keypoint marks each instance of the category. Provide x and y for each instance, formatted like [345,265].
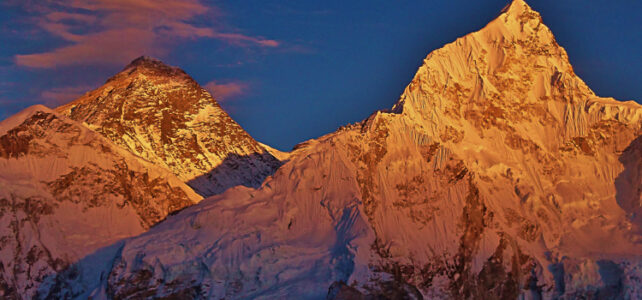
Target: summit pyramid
[161,114]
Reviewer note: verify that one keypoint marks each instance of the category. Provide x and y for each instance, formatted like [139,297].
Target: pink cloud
[226,91]
[58,96]
[115,31]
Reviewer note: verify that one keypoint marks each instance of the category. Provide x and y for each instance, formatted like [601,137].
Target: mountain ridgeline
[498,174]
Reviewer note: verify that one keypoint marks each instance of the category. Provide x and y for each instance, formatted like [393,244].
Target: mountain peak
[512,62]
[145,61]
[517,7]
[152,66]
[517,15]
[161,114]
[15,120]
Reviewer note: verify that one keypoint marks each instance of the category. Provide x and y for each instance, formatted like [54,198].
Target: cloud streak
[226,91]
[108,32]
[61,95]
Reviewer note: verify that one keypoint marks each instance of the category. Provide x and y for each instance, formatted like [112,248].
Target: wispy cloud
[115,31]
[61,95]
[226,91]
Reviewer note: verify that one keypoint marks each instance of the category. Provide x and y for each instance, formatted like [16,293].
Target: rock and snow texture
[161,114]
[66,191]
[498,174]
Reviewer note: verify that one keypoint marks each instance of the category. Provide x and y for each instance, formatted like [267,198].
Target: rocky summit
[497,174]
[161,114]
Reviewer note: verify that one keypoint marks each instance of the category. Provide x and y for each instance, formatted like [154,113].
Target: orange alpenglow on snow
[497,174]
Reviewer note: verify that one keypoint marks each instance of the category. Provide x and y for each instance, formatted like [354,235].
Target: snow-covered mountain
[497,174]
[108,166]
[161,114]
[65,192]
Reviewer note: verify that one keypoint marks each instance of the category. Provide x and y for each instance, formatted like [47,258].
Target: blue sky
[287,71]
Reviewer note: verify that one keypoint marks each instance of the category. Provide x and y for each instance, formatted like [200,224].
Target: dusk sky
[287,71]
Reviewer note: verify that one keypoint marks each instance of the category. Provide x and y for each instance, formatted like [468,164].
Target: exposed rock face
[65,191]
[162,115]
[629,183]
[498,174]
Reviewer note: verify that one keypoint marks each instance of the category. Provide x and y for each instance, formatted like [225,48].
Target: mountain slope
[498,174]
[65,192]
[162,115]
